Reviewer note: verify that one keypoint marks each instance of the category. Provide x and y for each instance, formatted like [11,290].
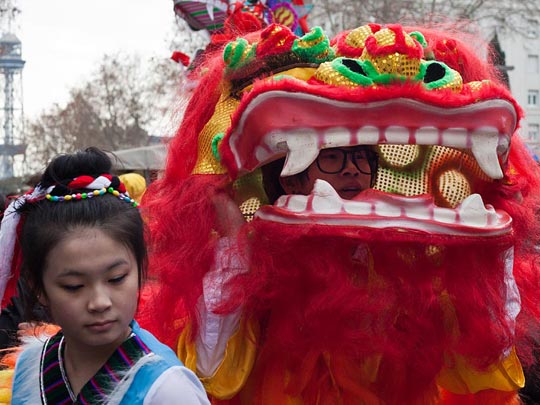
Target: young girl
[83,259]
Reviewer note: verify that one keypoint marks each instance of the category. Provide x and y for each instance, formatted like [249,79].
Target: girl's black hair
[47,223]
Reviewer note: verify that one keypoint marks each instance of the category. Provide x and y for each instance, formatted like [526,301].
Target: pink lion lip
[376,209]
[297,125]
[270,121]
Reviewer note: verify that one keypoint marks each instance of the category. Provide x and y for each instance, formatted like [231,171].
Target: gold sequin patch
[326,74]
[219,123]
[357,37]
[394,63]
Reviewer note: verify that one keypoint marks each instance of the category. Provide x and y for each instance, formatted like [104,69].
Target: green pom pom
[314,46]
[215,145]
[419,37]
[235,55]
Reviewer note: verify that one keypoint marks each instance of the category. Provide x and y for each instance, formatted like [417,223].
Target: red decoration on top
[447,52]
[344,49]
[375,27]
[275,39]
[238,23]
[399,45]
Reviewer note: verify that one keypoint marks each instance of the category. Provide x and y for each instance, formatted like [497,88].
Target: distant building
[522,53]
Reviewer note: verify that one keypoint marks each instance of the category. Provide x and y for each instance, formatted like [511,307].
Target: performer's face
[90,284]
[348,170]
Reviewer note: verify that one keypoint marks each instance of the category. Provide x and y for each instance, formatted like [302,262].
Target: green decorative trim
[422,70]
[378,78]
[449,75]
[419,37]
[358,78]
[234,54]
[215,145]
[319,52]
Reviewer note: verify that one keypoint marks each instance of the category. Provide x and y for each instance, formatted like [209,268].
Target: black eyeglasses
[333,160]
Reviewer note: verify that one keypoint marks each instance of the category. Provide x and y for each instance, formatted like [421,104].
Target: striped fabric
[201,14]
[54,384]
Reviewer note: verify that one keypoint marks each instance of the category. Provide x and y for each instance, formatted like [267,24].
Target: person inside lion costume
[422,288]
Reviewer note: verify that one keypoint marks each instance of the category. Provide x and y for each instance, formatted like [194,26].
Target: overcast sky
[63,41]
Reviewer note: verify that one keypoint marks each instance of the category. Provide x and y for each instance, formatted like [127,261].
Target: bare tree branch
[339,15]
[112,110]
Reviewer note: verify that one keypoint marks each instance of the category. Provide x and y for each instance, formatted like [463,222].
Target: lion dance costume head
[423,289]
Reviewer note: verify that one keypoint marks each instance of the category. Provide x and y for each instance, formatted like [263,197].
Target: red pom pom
[241,22]
[80,182]
[275,39]
[180,57]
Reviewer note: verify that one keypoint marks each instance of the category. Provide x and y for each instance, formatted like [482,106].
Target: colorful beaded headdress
[97,186]
[62,191]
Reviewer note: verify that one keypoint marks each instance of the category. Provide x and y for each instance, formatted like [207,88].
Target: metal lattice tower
[11,65]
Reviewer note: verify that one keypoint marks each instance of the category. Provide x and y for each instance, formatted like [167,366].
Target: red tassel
[180,57]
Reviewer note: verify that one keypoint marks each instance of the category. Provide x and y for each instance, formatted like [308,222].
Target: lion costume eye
[351,72]
[437,75]
[353,69]
[344,72]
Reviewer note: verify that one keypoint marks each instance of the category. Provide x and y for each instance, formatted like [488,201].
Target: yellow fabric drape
[237,364]
[462,378]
